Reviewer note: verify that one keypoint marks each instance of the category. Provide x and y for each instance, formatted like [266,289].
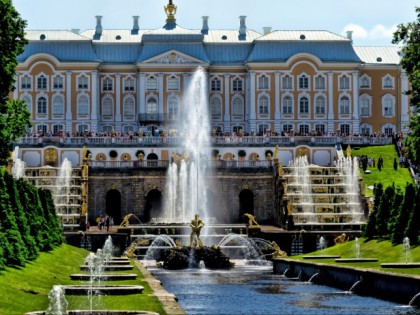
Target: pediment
[173,57]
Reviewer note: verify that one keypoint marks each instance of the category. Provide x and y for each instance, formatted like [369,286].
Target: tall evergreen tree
[413,227]
[397,235]
[395,211]
[53,225]
[384,211]
[14,117]
[370,230]
[16,251]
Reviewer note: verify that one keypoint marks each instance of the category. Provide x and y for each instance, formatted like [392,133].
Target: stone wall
[226,185]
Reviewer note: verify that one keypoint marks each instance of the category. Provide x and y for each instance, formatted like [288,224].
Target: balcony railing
[222,141]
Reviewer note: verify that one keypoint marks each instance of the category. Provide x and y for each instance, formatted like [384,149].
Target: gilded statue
[84,153]
[125,222]
[341,239]
[84,189]
[178,158]
[84,209]
[277,251]
[276,152]
[251,220]
[280,168]
[196,225]
[170,11]
[348,151]
[85,171]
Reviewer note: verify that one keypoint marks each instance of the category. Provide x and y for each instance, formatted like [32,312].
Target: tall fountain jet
[188,175]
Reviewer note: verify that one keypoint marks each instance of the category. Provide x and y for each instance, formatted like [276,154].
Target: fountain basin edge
[321,257]
[98,312]
[400,265]
[104,277]
[103,289]
[357,260]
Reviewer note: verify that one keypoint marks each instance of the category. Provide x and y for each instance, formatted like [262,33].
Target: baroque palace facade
[282,81]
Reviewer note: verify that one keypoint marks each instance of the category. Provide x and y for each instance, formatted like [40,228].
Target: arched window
[304,129]
[263,82]
[344,105]
[304,105]
[41,82]
[237,85]
[303,82]
[107,85]
[151,84]
[152,108]
[83,105]
[129,84]
[216,84]
[364,82]
[365,106]
[26,83]
[28,102]
[320,129]
[58,82]
[320,82]
[173,108]
[173,83]
[287,107]
[42,106]
[344,130]
[388,105]
[263,105]
[129,109]
[216,107]
[287,82]
[344,82]
[58,105]
[107,107]
[365,130]
[82,82]
[320,105]
[387,82]
[238,106]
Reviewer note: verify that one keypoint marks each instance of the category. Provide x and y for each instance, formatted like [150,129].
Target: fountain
[58,303]
[406,247]
[357,254]
[322,245]
[188,175]
[18,169]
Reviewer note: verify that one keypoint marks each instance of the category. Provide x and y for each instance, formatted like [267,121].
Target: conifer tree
[52,223]
[413,227]
[405,210]
[370,229]
[384,211]
[395,211]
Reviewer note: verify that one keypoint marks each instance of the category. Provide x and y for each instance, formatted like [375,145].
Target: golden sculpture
[140,156]
[84,153]
[276,152]
[170,11]
[277,251]
[178,158]
[125,222]
[85,171]
[51,156]
[84,209]
[84,189]
[251,220]
[341,239]
[348,151]
[280,168]
[289,208]
[196,226]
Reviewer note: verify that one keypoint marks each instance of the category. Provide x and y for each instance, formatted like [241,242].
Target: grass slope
[26,289]
[383,250]
[388,175]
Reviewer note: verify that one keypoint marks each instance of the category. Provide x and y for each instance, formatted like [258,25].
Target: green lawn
[26,289]
[387,176]
[383,250]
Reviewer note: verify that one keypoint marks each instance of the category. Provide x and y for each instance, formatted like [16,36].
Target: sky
[372,21]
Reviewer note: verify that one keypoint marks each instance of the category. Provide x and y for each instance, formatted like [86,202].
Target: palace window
[344,105]
[42,106]
[42,128]
[151,84]
[365,106]
[26,83]
[237,85]
[57,128]
[320,105]
[82,82]
[388,105]
[263,105]
[364,82]
[344,83]
[216,107]
[287,82]
[304,129]
[28,102]
[388,82]
[365,130]
[129,109]
[173,84]
[127,129]
[41,82]
[287,107]
[58,82]
[83,105]
[263,128]
[107,85]
[152,108]
[287,128]
[173,107]
[238,106]
[320,129]
[303,82]
[82,128]
[263,83]
[216,85]
[319,83]
[344,130]
[129,85]
[304,105]
[58,105]
[389,130]
[107,107]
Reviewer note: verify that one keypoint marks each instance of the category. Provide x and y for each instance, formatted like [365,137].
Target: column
[186,85]
[68,103]
[118,102]
[277,101]
[356,115]
[227,103]
[161,93]
[95,101]
[330,102]
[252,113]
[404,103]
[141,85]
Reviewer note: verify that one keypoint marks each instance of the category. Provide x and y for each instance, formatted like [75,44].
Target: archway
[153,207]
[113,205]
[152,159]
[246,204]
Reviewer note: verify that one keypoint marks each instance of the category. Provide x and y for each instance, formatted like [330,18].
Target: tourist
[107,223]
[111,222]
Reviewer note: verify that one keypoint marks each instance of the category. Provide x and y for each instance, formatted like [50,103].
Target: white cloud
[378,31]
[358,31]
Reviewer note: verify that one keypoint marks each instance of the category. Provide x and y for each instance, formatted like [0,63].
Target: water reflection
[255,290]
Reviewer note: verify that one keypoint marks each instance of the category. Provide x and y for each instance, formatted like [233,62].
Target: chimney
[205,28]
[135,30]
[267,30]
[350,35]
[98,29]
[242,28]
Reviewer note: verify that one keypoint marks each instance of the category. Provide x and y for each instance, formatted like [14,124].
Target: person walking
[107,223]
